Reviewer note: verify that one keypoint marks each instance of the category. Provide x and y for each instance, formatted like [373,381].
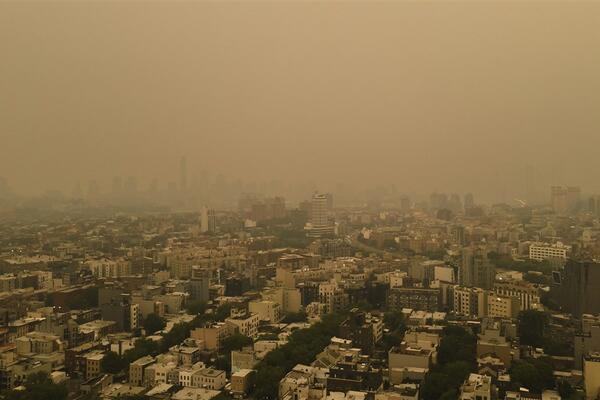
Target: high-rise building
[207,220]
[438,201]
[579,287]
[329,201]
[573,198]
[318,224]
[547,251]
[558,199]
[405,204]
[476,269]
[469,200]
[183,174]
[469,301]
[199,284]
[117,186]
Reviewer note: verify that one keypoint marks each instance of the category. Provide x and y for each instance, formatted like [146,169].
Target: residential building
[137,368]
[500,306]
[266,310]
[476,270]
[470,301]
[545,251]
[477,387]
[245,323]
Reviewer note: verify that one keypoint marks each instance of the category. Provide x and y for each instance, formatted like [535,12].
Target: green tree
[565,389]
[196,307]
[456,359]
[531,327]
[38,386]
[267,382]
[176,335]
[235,342]
[534,374]
[153,323]
[457,344]
[393,320]
[302,348]
[223,311]
[295,317]
[142,347]
[113,363]
[435,384]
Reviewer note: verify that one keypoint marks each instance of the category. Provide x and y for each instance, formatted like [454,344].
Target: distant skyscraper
[438,201]
[77,192]
[405,204]
[573,198]
[558,199]
[183,174]
[199,284]
[117,186]
[455,204]
[207,220]
[476,269]
[329,201]
[130,186]
[579,287]
[319,224]
[4,188]
[469,200]
[93,190]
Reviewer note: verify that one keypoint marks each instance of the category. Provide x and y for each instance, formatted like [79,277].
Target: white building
[207,220]
[477,387]
[500,306]
[470,301]
[591,374]
[319,224]
[269,311]
[105,268]
[546,251]
[246,325]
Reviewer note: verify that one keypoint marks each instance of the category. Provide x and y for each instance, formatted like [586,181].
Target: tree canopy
[456,359]
[153,323]
[38,386]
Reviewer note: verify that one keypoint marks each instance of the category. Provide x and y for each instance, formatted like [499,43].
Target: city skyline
[355,94]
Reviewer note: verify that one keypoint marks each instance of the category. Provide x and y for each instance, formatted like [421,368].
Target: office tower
[405,204]
[4,189]
[117,306]
[153,187]
[476,269]
[329,201]
[77,192]
[469,200]
[130,187]
[318,210]
[199,284]
[558,199]
[458,235]
[579,287]
[455,204]
[438,201]
[207,220]
[183,174]
[318,224]
[93,191]
[573,198]
[117,186]
[592,205]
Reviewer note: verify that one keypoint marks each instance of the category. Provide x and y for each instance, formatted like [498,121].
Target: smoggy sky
[447,96]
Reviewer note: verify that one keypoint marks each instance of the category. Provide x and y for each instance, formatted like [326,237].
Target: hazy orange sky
[456,96]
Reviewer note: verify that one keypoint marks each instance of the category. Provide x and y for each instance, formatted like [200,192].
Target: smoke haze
[495,98]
